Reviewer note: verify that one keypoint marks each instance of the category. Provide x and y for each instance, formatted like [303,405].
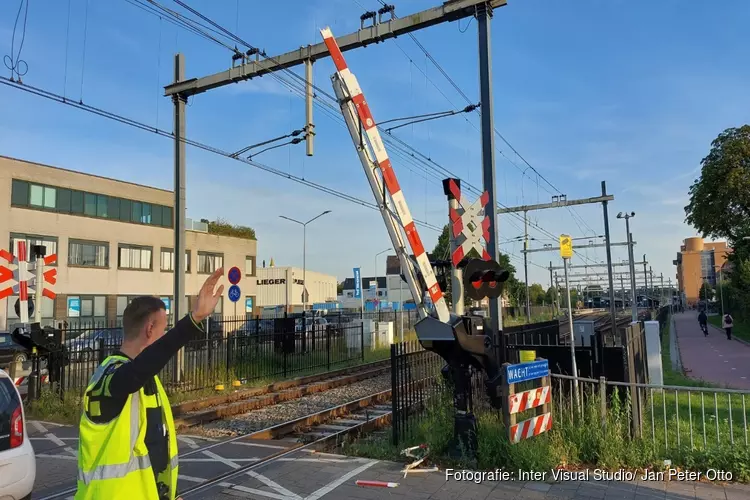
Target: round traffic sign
[30,305]
[234,293]
[234,275]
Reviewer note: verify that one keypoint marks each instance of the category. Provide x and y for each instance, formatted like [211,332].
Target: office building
[698,262]
[113,240]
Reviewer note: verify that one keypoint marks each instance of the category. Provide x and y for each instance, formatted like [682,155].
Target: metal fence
[671,418]
[231,349]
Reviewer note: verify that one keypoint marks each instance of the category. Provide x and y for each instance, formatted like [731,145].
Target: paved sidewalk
[713,359]
[336,480]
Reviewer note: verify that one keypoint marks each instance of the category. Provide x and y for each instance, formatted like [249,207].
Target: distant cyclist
[703,321]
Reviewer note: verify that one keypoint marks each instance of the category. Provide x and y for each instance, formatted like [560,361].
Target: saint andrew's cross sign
[469,225]
[25,276]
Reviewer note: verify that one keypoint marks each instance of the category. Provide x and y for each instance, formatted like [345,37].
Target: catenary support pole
[309,106]
[457,290]
[622,291]
[178,259]
[572,335]
[612,305]
[552,285]
[631,257]
[645,276]
[526,263]
[484,18]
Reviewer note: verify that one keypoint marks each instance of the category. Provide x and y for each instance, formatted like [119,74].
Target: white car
[17,460]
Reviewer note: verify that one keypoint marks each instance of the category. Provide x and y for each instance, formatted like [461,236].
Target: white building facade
[283,288]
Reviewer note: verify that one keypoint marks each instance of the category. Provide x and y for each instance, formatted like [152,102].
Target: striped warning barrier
[527,400]
[537,399]
[530,428]
[25,380]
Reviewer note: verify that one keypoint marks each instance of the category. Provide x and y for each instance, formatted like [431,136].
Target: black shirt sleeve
[123,379]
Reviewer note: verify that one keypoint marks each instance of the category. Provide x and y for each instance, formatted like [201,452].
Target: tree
[719,204]
[442,252]
[706,292]
[536,294]
[551,295]
[339,288]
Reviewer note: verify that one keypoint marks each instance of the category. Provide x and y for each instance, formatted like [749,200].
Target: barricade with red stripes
[538,399]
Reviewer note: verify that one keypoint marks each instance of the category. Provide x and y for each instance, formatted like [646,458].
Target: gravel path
[289,410]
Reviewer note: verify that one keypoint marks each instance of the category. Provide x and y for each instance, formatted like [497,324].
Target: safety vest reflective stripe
[115,471]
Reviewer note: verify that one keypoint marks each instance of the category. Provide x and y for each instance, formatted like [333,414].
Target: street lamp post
[304,256]
[627,218]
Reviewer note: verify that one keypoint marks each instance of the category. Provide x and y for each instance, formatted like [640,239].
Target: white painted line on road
[39,426]
[213,460]
[260,445]
[734,368]
[263,479]
[743,378]
[47,439]
[191,444]
[338,482]
[64,457]
[253,491]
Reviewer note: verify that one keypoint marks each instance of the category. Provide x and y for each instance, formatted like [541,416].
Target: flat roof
[86,174]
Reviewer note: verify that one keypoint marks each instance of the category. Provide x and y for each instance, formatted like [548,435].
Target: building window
[134,257]
[49,243]
[48,310]
[76,202]
[167,260]
[19,195]
[249,265]
[68,201]
[42,196]
[87,308]
[209,262]
[88,254]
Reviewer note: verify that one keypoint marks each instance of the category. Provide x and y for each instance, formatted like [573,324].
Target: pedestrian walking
[703,321]
[727,324]
[127,446]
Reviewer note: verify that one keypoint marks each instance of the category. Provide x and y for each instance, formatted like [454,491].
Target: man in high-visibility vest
[127,444]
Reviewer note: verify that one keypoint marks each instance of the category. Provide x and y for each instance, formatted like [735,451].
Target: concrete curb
[674,348]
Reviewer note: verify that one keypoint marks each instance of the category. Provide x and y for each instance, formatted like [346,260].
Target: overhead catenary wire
[163,133]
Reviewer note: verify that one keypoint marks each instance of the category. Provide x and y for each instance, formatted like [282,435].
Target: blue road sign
[357,284]
[526,371]
[234,275]
[234,293]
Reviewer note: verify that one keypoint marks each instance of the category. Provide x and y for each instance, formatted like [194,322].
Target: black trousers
[729,332]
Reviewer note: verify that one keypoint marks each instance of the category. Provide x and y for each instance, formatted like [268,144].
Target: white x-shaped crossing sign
[468,223]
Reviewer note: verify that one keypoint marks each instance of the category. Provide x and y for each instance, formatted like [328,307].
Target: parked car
[84,347]
[17,460]
[11,351]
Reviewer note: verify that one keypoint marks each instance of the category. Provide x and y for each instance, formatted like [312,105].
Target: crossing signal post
[566,252]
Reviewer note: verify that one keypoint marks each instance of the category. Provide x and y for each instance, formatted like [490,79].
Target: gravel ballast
[273,415]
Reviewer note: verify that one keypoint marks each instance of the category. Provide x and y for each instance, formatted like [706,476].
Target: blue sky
[628,92]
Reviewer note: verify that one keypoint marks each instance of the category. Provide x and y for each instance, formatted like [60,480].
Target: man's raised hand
[208,297]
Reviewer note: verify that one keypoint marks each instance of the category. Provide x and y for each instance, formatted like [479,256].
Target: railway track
[200,412]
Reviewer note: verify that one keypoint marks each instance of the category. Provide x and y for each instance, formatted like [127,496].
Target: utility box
[653,352]
[583,330]
[382,334]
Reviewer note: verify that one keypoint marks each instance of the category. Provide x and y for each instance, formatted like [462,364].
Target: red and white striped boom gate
[538,399]
[374,157]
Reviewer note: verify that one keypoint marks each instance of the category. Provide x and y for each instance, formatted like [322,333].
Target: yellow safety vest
[113,461]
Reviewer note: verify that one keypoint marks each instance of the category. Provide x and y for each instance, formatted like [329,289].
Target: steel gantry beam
[451,10]
[597,245]
[586,266]
[555,204]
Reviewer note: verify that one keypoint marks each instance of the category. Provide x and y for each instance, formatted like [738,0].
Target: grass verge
[741,329]
[696,429]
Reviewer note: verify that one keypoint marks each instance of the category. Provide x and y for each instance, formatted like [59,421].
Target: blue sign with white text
[234,293]
[357,284]
[526,371]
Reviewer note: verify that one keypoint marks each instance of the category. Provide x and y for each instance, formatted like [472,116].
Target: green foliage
[339,288]
[706,292]
[536,294]
[719,203]
[224,228]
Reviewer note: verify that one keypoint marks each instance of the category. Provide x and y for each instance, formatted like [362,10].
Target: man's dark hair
[137,312]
